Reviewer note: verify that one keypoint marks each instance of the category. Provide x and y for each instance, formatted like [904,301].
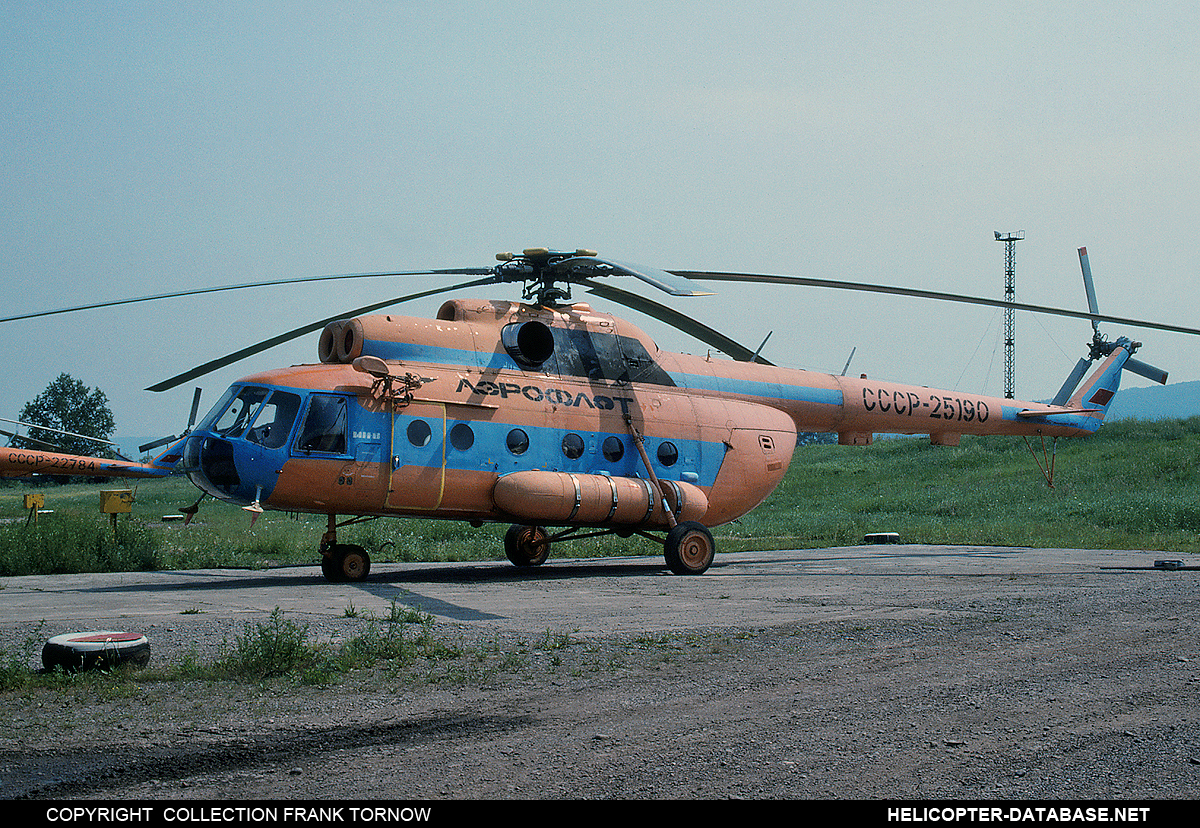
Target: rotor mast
[542,270]
[1010,295]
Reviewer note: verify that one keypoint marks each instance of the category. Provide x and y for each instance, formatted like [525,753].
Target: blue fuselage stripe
[767,391]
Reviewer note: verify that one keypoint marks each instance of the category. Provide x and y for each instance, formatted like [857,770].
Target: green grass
[1134,485]
[403,647]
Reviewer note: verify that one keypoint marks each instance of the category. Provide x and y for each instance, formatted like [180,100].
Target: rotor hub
[546,273]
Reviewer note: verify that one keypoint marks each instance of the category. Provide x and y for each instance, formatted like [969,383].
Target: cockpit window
[324,425]
[274,421]
[233,413]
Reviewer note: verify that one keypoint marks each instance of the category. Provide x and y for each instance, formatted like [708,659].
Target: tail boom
[16,462]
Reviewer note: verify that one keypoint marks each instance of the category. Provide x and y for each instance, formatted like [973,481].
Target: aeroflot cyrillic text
[554,396]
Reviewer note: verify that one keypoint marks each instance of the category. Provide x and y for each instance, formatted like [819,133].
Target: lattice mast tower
[1010,295]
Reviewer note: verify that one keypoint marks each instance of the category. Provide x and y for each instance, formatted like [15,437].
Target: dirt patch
[1027,686]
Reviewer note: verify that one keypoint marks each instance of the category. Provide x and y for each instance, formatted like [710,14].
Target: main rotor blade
[39,443]
[675,319]
[803,281]
[59,431]
[251,350]
[460,271]
[667,282]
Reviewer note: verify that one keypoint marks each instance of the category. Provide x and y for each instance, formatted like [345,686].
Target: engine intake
[529,343]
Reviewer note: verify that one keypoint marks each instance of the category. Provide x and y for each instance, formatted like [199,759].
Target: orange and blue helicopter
[556,418]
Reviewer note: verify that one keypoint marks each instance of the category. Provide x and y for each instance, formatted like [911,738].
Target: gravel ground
[1028,686]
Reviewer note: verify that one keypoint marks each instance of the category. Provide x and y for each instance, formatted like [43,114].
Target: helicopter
[561,420]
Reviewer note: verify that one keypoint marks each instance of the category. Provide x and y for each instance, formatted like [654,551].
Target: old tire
[689,548]
[100,649]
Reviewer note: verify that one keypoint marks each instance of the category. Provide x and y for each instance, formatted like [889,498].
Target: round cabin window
[613,449]
[461,437]
[667,453]
[419,433]
[572,446]
[518,441]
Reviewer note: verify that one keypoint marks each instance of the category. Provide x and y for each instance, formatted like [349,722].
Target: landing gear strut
[342,561]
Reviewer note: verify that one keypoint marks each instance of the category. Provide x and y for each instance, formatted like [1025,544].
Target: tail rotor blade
[1089,287]
[161,442]
[1143,369]
[195,409]
[191,422]
[1068,387]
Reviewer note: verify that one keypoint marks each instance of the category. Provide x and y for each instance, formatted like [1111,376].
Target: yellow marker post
[115,502]
[34,502]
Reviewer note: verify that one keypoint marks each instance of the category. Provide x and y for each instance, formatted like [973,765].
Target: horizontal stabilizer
[1029,412]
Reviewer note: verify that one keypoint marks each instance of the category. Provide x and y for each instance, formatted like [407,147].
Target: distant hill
[1177,401]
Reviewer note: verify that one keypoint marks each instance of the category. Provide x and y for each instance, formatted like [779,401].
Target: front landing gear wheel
[346,562]
[689,548]
[527,545]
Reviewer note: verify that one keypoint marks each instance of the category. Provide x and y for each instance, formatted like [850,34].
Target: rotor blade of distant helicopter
[675,319]
[458,271]
[251,350]
[802,281]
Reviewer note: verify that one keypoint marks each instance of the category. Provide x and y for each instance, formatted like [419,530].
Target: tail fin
[1097,393]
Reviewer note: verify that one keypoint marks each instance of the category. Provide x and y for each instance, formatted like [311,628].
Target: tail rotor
[191,422]
[1100,346]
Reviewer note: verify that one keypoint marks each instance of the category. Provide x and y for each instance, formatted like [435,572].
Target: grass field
[1135,485]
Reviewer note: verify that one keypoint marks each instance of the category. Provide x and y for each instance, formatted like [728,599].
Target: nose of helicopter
[224,468]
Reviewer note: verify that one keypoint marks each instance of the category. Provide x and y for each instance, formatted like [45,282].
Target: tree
[69,405]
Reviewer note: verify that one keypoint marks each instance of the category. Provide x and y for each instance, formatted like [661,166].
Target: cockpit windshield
[271,413]
[273,422]
[234,412]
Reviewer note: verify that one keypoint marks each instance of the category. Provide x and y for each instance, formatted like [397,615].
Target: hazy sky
[152,146]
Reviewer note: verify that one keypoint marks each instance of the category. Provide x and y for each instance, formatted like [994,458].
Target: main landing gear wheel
[527,545]
[689,548]
[346,562]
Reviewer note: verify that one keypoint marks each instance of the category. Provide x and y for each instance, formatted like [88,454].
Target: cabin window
[324,426]
[236,414]
[572,446]
[419,433]
[518,441]
[667,453]
[274,420]
[461,437]
[613,449]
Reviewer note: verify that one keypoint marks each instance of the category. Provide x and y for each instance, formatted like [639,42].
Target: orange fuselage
[496,411]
